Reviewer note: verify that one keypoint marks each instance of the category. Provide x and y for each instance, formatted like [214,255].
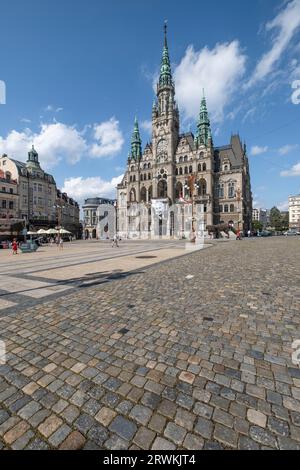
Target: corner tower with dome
[182,169]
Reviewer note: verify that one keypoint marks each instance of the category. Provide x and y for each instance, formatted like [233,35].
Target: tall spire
[136,142]
[203,135]
[165,77]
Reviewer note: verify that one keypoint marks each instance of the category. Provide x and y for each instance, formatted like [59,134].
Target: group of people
[59,242]
[239,234]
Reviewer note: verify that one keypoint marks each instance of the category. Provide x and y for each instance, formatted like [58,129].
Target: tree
[257,225]
[285,221]
[17,227]
[275,218]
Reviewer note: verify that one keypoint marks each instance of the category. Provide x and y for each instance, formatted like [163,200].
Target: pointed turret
[136,142]
[165,77]
[33,157]
[203,134]
[165,86]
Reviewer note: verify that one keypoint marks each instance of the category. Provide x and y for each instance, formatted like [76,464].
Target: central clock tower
[165,123]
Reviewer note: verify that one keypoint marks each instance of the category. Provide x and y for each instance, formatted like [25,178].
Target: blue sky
[76,73]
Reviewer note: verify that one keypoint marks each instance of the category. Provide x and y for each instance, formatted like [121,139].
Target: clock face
[161,146]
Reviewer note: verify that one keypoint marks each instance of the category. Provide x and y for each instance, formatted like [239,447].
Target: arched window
[8,176]
[132,195]
[162,189]
[186,170]
[150,193]
[130,179]
[220,208]
[226,208]
[180,170]
[201,155]
[225,167]
[204,167]
[199,167]
[178,190]
[176,171]
[149,176]
[202,187]
[145,166]
[149,165]
[133,179]
[132,168]
[221,190]
[185,158]
[180,159]
[231,207]
[231,189]
[143,194]
[190,169]
[141,177]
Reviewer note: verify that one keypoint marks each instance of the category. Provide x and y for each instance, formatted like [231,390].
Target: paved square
[158,359]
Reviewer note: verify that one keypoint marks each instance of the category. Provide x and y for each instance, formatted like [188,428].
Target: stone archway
[162,189]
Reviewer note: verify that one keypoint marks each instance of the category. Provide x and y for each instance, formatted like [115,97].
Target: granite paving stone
[76,378]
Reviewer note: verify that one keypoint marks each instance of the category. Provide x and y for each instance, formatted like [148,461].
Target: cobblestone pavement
[159,360]
[49,273]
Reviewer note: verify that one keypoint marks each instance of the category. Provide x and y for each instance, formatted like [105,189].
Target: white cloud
[51,108]
[286,23]
[147,126]
[294,171]
[287,149]
[109,137]
[283,206]
[218,70]
[54,142]
[82,188]
[57,141]
[249,114]
[256,150]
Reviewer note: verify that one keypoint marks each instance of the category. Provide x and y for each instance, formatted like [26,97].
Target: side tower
[205,162]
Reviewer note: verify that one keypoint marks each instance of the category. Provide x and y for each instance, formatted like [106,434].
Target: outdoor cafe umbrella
[64,231]
[31,233]
[52,231]
[42,231]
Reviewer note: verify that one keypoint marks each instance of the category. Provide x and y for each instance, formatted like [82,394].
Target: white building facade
[294,212]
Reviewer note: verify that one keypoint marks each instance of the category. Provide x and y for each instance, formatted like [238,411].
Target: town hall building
[178,175]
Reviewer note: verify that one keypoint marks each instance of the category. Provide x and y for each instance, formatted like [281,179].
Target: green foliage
[257,225]
[16,227]
[279,221]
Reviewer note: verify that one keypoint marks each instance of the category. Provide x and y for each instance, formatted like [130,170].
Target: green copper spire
[203,135]
[165,77]
[136,142]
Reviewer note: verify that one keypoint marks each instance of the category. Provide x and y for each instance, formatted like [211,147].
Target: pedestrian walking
[61,244]
[14,246]
[115,241]
[249,233]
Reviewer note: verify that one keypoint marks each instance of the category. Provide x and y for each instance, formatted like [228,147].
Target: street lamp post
[238,192]
[59,208]
[116,220]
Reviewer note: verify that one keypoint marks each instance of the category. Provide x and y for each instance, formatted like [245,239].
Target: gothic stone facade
[182,169]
